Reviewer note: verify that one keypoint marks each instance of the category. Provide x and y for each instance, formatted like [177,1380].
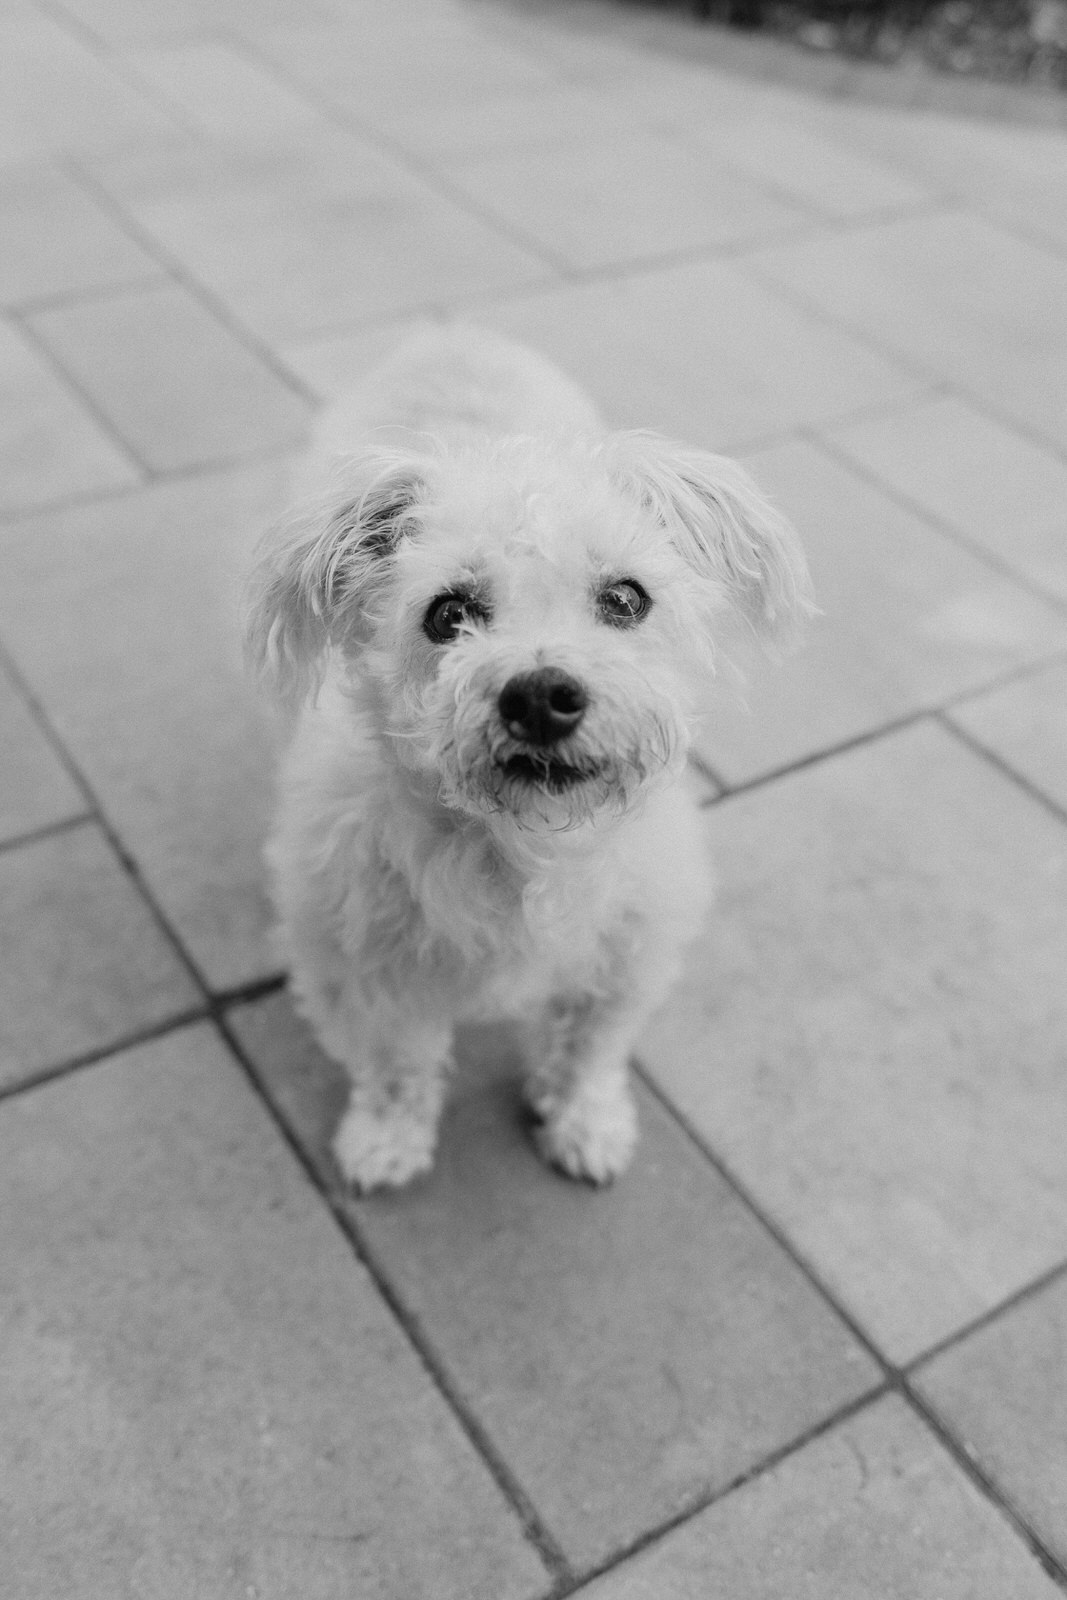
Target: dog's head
[531,617]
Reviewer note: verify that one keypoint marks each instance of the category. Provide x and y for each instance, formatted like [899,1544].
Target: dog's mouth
[544,772]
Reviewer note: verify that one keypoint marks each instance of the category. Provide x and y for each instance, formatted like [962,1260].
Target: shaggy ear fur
[723,526]
[317,570]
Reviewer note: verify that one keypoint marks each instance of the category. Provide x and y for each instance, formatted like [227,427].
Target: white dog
[494,617]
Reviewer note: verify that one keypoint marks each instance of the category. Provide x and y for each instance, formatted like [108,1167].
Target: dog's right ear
[318,570]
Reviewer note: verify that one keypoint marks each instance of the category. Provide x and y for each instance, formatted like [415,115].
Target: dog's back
[448,383]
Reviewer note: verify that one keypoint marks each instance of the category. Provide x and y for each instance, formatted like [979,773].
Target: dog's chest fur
[425,900]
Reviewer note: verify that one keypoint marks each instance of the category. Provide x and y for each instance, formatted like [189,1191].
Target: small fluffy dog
[493,618]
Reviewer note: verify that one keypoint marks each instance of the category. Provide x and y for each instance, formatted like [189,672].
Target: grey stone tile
[1002,1393]
[1025,724]
[875,1509]
[626,1349]
[954,294]
[448,57]
[57,240]
[526,118]
[983,479]
[908,619]
[126,619]
[203,1394]
[144,21]
[627,198]
[314,230]
[50,447]
[1014,173]
[221,91]
[57,94]
[702,352]
[82,963]
[831,179]
[177,386]
[35,790]
[871,1031]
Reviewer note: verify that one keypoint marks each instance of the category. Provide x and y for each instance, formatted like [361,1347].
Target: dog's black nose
[542,707]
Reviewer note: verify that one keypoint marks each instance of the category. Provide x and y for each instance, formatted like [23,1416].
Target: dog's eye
[447,614]
[623,603]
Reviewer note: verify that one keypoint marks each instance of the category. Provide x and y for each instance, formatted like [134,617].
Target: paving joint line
[932,520]
[158,479]
[211,302]
[336,115]
[929,376]
[534,1529]
[219,1004]
[41,1077]
[118,846]
[46,830]
[936,713]
[72,25]
[703,1502]
[977,1325]
[82,395]
[1032,790]
[112,57]
[731,791]
[896,1379]
[90,294]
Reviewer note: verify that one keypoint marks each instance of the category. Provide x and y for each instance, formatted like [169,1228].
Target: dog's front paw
[376,1150]
[591,1135]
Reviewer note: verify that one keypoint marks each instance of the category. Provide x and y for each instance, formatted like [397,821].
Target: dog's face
[531,617]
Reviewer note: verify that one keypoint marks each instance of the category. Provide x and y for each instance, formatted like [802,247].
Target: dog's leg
[396,1059]
[398,1065]
[578,1085]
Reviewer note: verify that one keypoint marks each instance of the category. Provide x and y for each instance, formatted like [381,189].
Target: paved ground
[814,1346]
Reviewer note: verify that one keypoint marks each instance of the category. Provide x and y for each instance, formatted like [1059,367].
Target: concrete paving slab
[628,198]
[524,119]
[57,241]
[876,1508]
[956,296]
[203,1393]
[829,179]
[984,480]
[446,59]
[51,448]
[702,352]
[139,21]
[176,385]
[82,962]
[908,619]
[625,1350]
[871,1031]
[35,789]
[126,618]
[1025,725]
[57,95]
[1013,173]
[1002,1391]
[314,231]
[219,91]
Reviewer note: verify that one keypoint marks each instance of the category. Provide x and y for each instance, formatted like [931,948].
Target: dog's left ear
[318,572]
[724,527]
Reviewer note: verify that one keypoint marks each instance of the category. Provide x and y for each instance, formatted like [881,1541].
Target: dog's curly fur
[437,857]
